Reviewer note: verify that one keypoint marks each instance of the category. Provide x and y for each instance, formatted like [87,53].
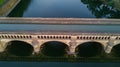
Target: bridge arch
[89,49]
[19,48]
[116,50]
[54,48]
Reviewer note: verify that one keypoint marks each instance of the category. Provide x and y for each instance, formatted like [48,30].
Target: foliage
[2,1]
[102,8]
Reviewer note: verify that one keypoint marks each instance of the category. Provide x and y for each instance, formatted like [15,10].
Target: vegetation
[5,56]
[7,6]
[113,3]
[103,8]
[2,1]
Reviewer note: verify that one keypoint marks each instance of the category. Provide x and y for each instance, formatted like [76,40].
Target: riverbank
[66,58]
[2,2]
[62,59]
[8,7]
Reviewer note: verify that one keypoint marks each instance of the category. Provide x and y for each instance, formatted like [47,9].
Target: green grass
[2,1]
[7,6]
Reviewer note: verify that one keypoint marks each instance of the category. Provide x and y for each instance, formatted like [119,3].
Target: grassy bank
[2,1]
[7,7]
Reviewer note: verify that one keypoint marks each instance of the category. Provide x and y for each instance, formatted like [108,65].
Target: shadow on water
[101,10]
[20,9]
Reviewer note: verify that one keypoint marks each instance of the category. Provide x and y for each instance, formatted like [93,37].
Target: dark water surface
[66,9]
[53,8]
[57,64]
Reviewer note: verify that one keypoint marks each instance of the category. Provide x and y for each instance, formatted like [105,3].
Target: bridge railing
[71,21]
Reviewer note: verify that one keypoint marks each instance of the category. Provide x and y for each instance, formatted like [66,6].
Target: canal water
[67,9]
[63,9]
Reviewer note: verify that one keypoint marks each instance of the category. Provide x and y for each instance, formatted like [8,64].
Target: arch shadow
[54,49]
[19,48]
[89,49]
[116,51]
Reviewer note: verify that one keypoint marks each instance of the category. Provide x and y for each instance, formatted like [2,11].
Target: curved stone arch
[103,44]
[85,43]
[116,43]
[90,41]
[62,43]
[22,41]
[115,50]
[56,41]
[7,43]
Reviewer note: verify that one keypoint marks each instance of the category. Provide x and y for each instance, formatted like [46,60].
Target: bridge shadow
[101,10]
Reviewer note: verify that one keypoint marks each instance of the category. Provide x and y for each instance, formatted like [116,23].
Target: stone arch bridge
[34,33]
[71,40]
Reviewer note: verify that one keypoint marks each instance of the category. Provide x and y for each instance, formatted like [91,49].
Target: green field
[2,1]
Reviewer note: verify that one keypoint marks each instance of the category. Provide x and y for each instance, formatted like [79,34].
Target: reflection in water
[67,8]
[20,9]
[52,8]
[101,10]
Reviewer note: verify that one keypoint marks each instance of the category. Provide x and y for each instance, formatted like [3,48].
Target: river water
[56,64]
[66,9]
[63,9]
